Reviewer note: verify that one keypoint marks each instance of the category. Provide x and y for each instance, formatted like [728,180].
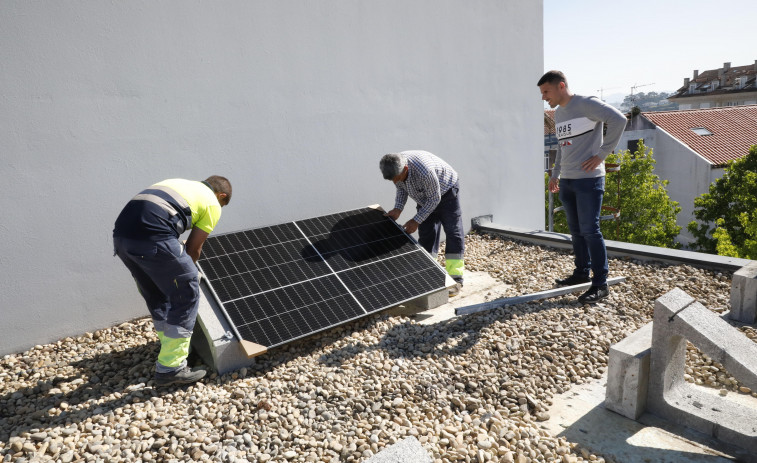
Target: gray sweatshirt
[579,127]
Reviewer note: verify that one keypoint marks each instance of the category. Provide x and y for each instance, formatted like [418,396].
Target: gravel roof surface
[473,388]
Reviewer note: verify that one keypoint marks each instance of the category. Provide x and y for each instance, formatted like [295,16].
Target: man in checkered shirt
[433,184]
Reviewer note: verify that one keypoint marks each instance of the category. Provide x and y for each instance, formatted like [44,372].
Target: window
[549,159]
[701,131]
[633,145]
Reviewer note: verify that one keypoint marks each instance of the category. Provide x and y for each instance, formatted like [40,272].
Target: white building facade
[717,88]
[294,101]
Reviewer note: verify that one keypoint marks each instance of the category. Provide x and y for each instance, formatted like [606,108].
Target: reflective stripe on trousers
[173,351]
[454,264]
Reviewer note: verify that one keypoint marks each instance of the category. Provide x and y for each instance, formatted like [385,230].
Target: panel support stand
[214,341]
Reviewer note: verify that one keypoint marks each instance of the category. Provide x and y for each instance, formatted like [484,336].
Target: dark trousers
[448,216]
[582,200]
[167,278]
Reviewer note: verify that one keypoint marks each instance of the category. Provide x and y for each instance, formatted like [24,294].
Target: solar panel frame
[261,246]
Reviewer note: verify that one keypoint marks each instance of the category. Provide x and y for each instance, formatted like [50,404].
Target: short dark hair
[220,185]
[552,77]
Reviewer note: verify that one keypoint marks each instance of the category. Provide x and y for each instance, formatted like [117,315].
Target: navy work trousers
[448,216]
[168,280]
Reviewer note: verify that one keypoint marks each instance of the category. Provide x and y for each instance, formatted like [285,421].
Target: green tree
[723,244]
[647,214]
[727,215]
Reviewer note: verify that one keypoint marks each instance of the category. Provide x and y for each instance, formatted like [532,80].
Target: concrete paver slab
[580,416]
[405,451]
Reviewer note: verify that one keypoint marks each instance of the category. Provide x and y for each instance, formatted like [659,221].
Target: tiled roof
[549,128]
[734,130]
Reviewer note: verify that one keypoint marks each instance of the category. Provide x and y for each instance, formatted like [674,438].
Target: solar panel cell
[283,282]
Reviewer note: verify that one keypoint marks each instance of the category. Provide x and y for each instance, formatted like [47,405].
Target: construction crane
[633,89]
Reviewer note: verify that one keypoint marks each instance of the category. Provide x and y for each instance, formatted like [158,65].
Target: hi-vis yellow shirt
[206,210]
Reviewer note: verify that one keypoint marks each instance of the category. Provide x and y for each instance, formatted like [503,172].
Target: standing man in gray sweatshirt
[579,175]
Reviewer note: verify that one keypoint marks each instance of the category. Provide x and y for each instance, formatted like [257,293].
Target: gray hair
[392,164]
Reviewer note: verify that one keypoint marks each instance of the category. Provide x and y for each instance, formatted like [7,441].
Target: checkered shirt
[428,178]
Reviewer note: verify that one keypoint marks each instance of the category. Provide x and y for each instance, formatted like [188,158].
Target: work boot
[594,294]
[455,290]
[573,280]
[183,376]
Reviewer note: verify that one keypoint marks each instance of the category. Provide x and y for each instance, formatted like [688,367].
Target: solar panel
[283,282]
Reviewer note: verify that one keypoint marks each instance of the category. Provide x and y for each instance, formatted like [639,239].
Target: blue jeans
[582,200]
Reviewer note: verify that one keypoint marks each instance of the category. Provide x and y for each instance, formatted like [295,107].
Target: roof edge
[616,248]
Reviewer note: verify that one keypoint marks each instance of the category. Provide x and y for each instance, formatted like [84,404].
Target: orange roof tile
[734,130]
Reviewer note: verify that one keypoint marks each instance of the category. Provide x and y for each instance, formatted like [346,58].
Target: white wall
[294,101]
[690,175]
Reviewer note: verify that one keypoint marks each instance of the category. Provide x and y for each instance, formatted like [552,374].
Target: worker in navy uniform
[433,184]
[146,238]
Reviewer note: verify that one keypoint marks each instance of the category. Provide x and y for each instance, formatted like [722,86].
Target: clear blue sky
[614,45]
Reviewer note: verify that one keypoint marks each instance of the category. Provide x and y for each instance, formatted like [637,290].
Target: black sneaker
[594,294]
[573,280]
[183,376]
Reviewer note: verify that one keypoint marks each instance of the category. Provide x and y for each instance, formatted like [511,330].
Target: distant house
[715,88]
[691,148]
[550,139]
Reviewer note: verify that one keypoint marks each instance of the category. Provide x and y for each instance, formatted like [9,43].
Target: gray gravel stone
[467,388]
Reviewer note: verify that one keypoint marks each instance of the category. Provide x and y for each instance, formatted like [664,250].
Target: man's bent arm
[400,199]
[558,160]
[616,123]
[195,241]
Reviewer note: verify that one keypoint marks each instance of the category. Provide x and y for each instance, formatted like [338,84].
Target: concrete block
[213,339]
[744,294]
[421,304]
[678,318]
[628,374]
[429,301]
[481,221]
[405,451]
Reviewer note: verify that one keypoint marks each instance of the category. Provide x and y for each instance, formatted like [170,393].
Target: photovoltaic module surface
[283,282]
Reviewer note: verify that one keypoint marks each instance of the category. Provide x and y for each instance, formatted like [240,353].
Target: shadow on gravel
[93,386]
[409,339]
